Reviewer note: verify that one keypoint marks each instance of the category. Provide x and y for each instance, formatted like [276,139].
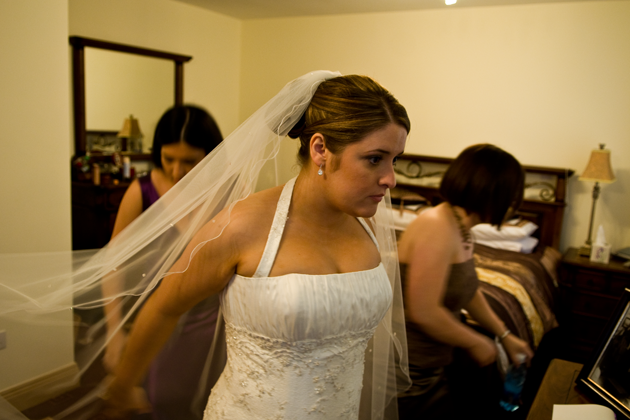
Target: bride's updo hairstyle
[344,110]
[485,180]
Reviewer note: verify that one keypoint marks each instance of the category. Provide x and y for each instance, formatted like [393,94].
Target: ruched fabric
[296,343]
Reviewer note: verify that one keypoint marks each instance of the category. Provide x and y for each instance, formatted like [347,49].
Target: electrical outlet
[3,339]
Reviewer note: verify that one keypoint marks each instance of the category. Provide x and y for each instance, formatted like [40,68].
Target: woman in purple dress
[183,137]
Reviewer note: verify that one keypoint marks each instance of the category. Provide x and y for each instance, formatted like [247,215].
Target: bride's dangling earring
[320,172]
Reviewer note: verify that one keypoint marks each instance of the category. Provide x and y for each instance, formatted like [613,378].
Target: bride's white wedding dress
[296,342]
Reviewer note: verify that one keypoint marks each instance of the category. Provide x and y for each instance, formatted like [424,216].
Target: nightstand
[589,293]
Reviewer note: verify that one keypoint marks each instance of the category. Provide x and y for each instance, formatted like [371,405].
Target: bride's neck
[309,201]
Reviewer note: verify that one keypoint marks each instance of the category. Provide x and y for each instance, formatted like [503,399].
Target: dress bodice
[425,352]
[296,342]
[148,191]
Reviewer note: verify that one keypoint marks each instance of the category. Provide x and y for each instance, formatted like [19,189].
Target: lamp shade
[598,168]
[131,128]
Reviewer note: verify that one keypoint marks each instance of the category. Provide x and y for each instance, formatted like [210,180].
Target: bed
[520,287]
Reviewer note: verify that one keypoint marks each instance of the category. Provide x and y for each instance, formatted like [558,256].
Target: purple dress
[174,380]
[149,193]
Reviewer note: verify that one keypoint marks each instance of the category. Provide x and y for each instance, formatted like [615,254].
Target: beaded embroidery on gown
[296,342]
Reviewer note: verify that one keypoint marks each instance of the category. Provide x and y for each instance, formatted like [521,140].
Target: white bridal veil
[34,287]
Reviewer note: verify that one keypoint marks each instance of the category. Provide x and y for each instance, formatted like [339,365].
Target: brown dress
[428,358]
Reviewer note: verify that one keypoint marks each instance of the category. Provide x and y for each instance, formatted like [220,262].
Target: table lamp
[598,170]
[129,133]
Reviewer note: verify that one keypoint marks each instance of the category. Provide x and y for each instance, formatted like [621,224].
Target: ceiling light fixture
[450,2]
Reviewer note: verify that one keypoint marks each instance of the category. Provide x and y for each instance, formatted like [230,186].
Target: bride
[298,268]
[307,272]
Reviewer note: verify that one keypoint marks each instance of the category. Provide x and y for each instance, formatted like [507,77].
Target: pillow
[525,245]
[510,231]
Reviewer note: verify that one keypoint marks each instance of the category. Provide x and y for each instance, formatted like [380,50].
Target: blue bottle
[513,384]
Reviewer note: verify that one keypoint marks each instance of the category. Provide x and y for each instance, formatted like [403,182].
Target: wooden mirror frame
[78,79]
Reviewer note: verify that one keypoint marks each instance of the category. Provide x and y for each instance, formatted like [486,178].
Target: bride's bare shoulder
[257,206]
[237,229]
[249,216]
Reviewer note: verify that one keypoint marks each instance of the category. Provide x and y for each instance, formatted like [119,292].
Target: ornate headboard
[545,191]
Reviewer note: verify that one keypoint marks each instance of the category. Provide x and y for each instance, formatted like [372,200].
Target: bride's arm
[193,279]
[130,209]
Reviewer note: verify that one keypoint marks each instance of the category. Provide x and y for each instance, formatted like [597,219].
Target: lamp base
[585,250]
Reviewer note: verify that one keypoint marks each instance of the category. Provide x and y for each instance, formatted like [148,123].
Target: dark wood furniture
[589,293]
[558,387]
[94,209]
[546,212]
[78,78]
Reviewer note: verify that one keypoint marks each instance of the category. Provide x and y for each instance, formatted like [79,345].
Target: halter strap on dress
[277,228]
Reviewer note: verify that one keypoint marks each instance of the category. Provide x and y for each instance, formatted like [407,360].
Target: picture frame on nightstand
[607,374]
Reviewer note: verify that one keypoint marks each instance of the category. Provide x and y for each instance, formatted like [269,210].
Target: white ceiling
[261,9]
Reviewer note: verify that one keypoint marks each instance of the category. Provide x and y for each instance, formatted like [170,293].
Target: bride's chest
[299,307]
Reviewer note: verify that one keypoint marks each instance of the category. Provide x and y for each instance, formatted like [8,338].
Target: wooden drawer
[589,295]
[94,210]
[591,280]
[617,283]
[597,306]
[611,284]
[585,330]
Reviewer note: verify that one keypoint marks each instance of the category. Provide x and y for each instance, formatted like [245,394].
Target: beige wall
[211,78]
[35,126]
[35,186]
[547,82]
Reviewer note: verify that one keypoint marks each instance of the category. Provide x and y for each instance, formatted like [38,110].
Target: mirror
[112,81]
[118,85]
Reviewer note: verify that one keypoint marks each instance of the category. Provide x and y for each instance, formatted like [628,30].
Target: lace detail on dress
[296,343]
[274,379]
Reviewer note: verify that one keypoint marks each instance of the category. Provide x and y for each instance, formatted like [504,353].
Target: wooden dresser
[589,293]
[94,209]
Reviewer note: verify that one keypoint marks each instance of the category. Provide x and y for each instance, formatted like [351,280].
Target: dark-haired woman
[184,135]
[482,185]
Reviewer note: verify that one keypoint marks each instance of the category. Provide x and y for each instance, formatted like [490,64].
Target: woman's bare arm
[480,311]
[429,252]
